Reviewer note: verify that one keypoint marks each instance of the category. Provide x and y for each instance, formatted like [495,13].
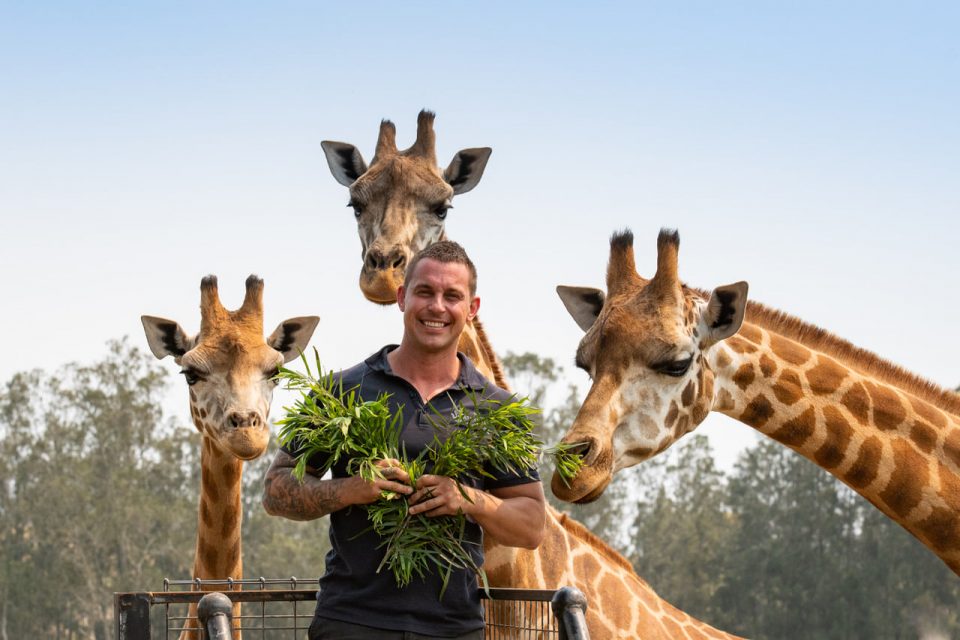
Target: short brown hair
[446,251]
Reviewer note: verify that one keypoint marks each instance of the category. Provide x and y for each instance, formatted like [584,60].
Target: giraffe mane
[857,358]
[580,532]
[499,379]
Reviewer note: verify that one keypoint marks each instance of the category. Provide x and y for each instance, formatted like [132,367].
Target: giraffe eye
[674,368]
[272,376]
[441,211]
[192,376]
[357,208]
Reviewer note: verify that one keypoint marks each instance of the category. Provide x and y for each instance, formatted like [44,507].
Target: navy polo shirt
[352,590]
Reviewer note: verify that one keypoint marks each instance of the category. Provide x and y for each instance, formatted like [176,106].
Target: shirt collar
[468,378]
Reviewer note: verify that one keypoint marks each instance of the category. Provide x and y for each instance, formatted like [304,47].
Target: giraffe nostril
[375,260]
[242,419]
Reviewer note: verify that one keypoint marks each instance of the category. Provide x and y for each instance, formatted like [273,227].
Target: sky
[811,149]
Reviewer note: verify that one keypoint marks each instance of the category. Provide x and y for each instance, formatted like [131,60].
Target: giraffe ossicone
[229,368]
[662,355]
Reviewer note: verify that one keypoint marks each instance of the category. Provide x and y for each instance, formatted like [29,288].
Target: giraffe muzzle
[244,419]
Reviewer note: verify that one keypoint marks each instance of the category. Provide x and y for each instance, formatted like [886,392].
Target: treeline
[776,548]
[99,495]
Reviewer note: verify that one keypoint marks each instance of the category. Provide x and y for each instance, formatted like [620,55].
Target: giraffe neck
[475,345]
[217,554]
[621,604]
[892,443]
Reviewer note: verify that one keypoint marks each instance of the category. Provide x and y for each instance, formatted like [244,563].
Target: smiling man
[425,376]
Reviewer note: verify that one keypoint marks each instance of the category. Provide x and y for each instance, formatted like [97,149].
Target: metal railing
[273,609]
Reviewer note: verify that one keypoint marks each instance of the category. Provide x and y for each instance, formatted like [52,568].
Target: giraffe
[228,367]
[662,355]
[401,202]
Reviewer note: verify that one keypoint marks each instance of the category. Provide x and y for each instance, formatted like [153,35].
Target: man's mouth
[434,324]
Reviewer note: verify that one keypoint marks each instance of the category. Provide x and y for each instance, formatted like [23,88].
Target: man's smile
[435,324]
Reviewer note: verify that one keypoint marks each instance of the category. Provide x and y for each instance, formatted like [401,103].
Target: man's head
[446,251]
[438,297]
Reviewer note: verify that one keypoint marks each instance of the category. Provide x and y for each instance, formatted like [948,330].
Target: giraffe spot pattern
[788,350]
[865,467]
[723,359]
[788,388]
[231,520]
[857,402]
[940,529]
[910,475]
[888,411]
[686,398]
[768,366]
[744,376]
[839,433]
[929,414]
[205,516]
[751,333]
[951,448]
[923,436]
[210,488]
[672,414]
[739,345]
[758,412]
[796,431]
[826,377]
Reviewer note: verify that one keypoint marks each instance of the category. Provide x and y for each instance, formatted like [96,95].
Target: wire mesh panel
[282,609]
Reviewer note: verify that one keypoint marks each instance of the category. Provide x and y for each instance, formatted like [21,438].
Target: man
[425,375]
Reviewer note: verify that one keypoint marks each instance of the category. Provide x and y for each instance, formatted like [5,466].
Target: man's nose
[436,303]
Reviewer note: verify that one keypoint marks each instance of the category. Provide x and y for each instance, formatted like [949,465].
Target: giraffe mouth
[380,285]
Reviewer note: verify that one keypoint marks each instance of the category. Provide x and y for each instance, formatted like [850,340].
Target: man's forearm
[514,522]
[284,495]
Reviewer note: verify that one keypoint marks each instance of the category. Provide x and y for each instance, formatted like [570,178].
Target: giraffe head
[401,200]
[229,365]
[647,350]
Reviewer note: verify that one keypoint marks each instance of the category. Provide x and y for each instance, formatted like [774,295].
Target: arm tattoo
[284,495]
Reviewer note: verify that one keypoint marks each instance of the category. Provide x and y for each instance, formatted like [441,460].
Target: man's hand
[439,496]
[394,479]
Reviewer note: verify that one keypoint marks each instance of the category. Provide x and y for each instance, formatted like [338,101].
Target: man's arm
[514,516]
[284,495]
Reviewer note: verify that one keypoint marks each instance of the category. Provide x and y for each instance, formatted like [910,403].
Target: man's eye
[191,376]
[675,368]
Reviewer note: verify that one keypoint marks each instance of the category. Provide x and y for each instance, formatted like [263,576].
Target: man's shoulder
[354,375]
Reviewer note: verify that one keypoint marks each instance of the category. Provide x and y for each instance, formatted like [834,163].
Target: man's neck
[429,373]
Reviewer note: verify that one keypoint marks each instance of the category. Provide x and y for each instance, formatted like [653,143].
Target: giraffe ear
[724,312]
[346,163]
[291,337]
[583,303]
[466,169]
[165,337]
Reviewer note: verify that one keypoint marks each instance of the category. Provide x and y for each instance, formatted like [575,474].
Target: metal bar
[215,612]
[570,607]
[132,613]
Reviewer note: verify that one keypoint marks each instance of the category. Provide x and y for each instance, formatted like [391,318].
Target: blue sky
[811,150]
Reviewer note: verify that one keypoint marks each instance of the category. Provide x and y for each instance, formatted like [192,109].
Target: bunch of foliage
[333,423]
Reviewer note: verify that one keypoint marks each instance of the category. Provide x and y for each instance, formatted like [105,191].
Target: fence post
[215,612]
[570,607]
[132,612]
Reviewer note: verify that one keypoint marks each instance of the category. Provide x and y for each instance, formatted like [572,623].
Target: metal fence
[281,609]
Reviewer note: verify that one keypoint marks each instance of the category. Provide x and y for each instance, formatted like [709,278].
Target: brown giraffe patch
[208,555]
[826,377]
[193,396]
[210,488]
[951,447]
[739,345]
[586,565]
[857,402]
[700,411]
[231,518]
[673,629]
[231,473]
[640,452]
[867,464]
[744,376]
[725,400]
[789,350]
[723,360]
[788,388]
[686,398]
[672,415]
[910,475]
[796,431]
[203,413]
[205,516]
[930,414]
[683,425]
[941,529]
[888,411]
[768,366]
[839,433]
[923,436]
[757,412]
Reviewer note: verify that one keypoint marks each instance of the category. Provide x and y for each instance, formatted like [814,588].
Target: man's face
[436,305]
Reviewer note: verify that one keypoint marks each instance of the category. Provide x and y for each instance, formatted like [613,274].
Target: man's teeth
[431,323]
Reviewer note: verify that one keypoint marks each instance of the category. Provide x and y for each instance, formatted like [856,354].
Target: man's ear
[291,336]
[583,303]
[346,163]
[165,337]
[466,169]
[723,314]
[401,292]
[474,307]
